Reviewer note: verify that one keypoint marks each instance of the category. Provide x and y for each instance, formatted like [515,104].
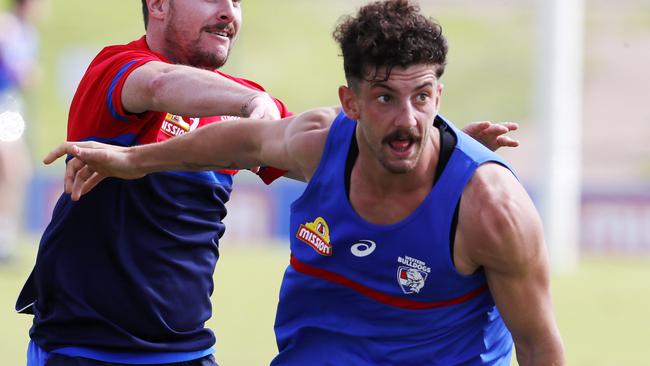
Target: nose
[406,116]
[226,11]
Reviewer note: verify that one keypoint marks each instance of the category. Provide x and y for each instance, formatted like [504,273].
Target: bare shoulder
[498,226]
[314,120]
[306,137]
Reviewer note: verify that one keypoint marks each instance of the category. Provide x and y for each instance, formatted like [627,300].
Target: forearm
[217,146]
[185,91]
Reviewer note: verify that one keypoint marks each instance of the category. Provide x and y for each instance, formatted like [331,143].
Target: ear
[157,9]
[349,102]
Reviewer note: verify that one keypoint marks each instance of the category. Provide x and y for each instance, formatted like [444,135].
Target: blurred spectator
[18,60]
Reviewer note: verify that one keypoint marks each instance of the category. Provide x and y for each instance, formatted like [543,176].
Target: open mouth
[401,142]
[220,31]
[401,145]
[221,34]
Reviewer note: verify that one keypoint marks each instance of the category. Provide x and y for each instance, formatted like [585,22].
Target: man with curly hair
[412,244]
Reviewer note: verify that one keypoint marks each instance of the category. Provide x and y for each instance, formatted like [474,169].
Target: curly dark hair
[387,34]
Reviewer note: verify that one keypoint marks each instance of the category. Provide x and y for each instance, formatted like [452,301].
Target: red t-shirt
[96,112]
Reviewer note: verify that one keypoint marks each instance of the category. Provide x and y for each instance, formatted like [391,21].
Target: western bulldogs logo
[412,275]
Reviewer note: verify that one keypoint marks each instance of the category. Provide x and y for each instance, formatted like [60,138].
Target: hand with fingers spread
[492,135]
[92,162]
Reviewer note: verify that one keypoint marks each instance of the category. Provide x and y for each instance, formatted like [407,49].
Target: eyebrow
[380,84]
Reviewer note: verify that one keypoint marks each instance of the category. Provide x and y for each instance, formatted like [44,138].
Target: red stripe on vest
[380,296]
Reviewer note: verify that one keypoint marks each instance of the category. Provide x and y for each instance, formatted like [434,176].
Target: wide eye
[383,98]
[422,97]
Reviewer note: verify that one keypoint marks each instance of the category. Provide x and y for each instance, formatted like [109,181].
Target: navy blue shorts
[36,356]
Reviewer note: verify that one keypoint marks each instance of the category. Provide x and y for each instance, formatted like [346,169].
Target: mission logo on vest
[316,235]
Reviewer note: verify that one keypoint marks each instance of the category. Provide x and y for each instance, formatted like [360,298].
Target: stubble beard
[206,60]
[405,166]
[189,52]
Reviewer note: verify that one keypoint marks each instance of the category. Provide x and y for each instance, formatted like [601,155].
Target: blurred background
[497,68]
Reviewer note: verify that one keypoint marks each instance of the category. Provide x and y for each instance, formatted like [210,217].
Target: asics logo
[363,248]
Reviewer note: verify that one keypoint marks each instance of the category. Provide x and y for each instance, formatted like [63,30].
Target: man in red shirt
[133,285]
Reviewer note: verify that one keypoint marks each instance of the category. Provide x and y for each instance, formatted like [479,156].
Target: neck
[155,40]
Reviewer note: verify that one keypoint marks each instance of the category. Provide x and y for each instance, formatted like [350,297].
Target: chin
[399,168]
[209,60]
[399,165]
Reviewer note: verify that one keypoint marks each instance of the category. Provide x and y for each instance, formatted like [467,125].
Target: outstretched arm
[189,91]
[294,144]
[499,230]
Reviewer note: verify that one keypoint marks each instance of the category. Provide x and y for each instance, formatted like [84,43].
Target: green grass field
[602,309]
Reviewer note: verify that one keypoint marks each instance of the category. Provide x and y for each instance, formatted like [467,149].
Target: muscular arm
[189,91]
[294,144]
[290,144]
[499,230]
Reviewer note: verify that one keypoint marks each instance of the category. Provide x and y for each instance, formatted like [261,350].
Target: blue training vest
[357,293]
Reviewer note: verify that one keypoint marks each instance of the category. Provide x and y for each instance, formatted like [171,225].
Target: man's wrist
[135,158]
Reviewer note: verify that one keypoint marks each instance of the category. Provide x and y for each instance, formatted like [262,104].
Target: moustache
[402,134]
[221,26]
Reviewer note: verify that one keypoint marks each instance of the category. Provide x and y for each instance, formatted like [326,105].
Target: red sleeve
[126,63]
[96,110]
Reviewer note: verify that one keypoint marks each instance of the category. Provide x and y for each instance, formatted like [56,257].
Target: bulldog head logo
[410,279]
